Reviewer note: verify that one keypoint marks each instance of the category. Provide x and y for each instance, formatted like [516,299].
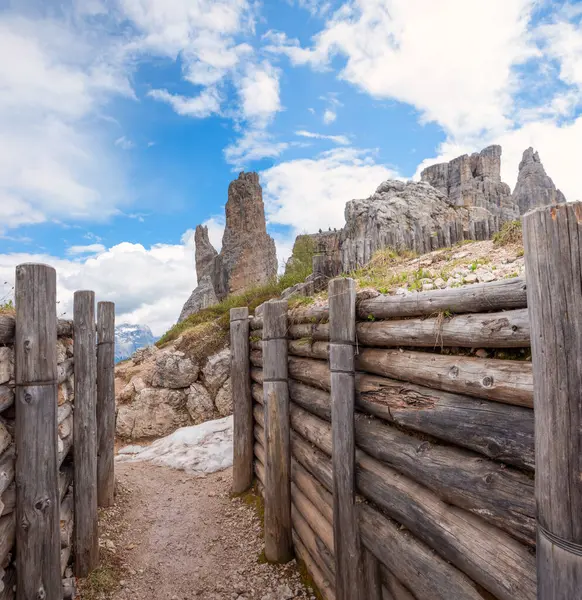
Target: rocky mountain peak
[205,253]
[534,187]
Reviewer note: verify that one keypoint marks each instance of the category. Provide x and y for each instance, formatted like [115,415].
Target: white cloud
[254,144]
[88,249]
[148,285]
[200,107]
[310,193]
[124,143]
[329,116]
[259,92]
[338,139]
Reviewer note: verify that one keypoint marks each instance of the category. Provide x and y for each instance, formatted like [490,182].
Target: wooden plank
[311,372]
[508,381]
[35,433]
[105,403]
[313,490]
[504,294]
[508,329]
[278,529]
[242,473]
[342,332]
[553,244]
[499,431]
[324,585]
[85,434]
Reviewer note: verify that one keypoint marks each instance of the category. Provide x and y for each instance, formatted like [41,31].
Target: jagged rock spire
[205,253]
[534,187]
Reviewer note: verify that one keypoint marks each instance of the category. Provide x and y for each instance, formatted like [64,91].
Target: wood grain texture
[37,495]
[342,333]
[242,470]
[553,245]
[323,584]
[505,294]
[105,403]
[85,434]
[313,490]
[371,576]
[8,328]
[278,529]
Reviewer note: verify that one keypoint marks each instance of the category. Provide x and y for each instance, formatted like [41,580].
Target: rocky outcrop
[248,256]
[534,187]
[474,181]
[159,390]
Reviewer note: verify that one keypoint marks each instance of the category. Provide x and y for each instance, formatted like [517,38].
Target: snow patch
[203,448]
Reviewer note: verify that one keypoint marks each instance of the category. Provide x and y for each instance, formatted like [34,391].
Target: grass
[510,233]
[7,308]
[377,274]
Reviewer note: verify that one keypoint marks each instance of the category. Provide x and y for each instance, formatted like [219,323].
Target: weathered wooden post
[553,253]
[85,434]
[242,402]
[38,562]
[105,403]
[342,337]
[278,531]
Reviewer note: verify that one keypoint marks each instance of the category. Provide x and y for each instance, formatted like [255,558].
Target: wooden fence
[52,379]
[409,457]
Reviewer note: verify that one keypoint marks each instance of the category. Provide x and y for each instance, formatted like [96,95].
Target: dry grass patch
[510,233]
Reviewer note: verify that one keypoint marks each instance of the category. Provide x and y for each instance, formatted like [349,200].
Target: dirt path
[182,537]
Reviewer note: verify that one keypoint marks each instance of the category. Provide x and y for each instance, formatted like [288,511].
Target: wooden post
[372,577]
[553,252]
[85,434]
[278,540]
[242,402]
[105,403]
[38,563]
[342,336]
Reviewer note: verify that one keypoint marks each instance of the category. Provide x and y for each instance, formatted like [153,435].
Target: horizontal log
[301,314]
[308,349]
[6,468]
[428,576]
[314,400]
[257,393]
[312,372]
[259,451]
[490,557]
[7,538]
[7,328]
[499,431]
[501,495]
[324,585]
[259,415]
[316,493]
[489,330]
[505,294]
[8,500]
[508,381]
[320,526]
[259,433]
[6,397]
[5,437]
[65,370]
[311,331]
[312,460]
[257,375]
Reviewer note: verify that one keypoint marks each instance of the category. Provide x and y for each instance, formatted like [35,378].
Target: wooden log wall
[444,443]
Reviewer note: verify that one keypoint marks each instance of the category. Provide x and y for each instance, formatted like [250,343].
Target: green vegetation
[510,233]
[7,307]
[377,273]
[300,265]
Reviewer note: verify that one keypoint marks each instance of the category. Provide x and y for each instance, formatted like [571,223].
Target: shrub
[510,233]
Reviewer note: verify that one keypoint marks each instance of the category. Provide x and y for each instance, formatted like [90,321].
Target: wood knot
[487,382]
[514,328]
[493,448]
[28,397]
[27,345]
[454,372]
[24,523]
[488,478]
[422,447]
[42,504]
[41,593]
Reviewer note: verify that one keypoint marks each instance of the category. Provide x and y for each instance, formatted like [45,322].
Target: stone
[223,400]
[174,370]
[199,404]
[248,256]
[534,187]
[202,297]
[205,254]
[470,278]
[6,364]
[440,282]
[427,287]
[485,276]
[155,412]
[216,371]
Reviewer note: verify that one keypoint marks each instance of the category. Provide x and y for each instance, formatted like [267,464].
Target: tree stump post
[553,253]
[242,402]
[38,562]
[342,337]
[85,434]
[105,403]
[278,530]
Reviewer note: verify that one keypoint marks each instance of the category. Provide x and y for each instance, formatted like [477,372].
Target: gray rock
[199,404]
[6,364]
[174,370]
[202,297]
[223,400]
[155,412]
[205,253]
[216,371]
[534,187]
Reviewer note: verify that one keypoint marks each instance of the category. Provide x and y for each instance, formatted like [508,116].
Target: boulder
[534,187]
[205,253]
[173,369]
[223,400]
[199,404]
[154,412]
[216,371]
[6,364]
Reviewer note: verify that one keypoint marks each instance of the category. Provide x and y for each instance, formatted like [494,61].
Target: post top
[239,314]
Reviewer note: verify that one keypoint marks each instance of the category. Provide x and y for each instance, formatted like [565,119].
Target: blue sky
[122,122]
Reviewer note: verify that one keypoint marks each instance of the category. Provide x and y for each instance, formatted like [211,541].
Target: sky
[122,122]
